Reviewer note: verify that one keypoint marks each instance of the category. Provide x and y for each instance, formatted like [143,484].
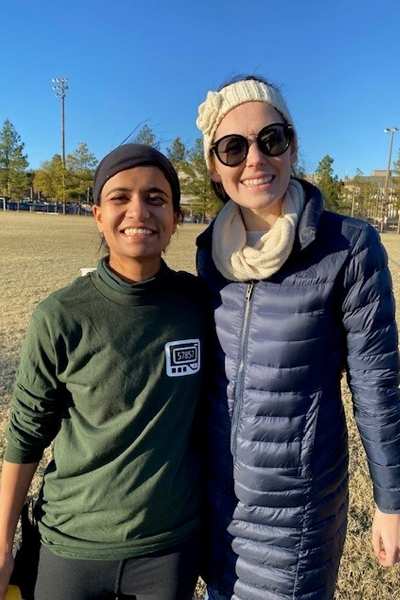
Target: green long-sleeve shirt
[112,373]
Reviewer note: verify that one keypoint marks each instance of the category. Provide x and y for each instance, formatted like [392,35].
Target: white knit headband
[218,104]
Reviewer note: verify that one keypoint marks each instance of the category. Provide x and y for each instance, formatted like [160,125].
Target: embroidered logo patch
[183,357]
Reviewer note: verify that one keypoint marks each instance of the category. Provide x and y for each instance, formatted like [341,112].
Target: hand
[386,538]
[6,569]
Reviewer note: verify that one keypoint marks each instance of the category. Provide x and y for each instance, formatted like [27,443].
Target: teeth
[259,181]
[136,230]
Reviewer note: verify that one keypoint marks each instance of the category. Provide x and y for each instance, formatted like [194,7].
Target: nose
[254,156]
[138,209]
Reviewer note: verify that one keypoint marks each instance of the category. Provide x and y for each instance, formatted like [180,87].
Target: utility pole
[385,201]
[60,87]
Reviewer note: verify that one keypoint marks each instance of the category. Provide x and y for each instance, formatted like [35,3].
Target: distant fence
[47,207]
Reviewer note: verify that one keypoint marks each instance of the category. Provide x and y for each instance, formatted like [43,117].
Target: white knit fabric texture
[238,262]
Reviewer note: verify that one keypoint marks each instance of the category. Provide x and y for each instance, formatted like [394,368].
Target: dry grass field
[41,252]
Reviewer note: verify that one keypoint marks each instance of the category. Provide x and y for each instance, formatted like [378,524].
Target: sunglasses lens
[274,140]
[231,149]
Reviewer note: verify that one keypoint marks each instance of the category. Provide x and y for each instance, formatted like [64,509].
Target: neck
[135,272]
[255,220]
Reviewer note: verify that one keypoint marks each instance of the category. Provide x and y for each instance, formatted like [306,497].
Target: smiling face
[137,218]
[258,184]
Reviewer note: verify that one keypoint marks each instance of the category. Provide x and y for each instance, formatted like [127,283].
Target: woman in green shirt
[111,372]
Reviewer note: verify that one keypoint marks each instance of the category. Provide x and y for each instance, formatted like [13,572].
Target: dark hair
[217,187]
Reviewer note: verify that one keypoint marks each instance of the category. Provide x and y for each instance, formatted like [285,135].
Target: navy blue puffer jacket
[277,468]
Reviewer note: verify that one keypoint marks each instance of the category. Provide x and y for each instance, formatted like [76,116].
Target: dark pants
[168,575]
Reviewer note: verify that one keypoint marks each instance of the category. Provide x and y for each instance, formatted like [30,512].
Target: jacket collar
[309,220]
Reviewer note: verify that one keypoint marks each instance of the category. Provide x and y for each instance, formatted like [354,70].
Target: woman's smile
[257,182]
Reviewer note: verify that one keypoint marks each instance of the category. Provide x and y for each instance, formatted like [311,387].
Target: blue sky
[133,62]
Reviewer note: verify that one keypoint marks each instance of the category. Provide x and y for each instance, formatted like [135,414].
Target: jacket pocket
[275,441]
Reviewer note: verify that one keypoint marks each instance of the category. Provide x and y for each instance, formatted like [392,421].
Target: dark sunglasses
[272,140]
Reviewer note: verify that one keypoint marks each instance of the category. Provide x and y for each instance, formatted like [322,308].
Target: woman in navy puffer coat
[300,295]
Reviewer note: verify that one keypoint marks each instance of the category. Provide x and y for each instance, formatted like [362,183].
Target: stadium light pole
[392,131]
[60,87]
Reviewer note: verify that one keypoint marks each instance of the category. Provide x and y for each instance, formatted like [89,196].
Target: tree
[396,171]
[146,137]
[13,163]
[72,184]
[79,175]
[196,183]
[177,153]
[49,179]
[328,183]
[395,178]
[365,196]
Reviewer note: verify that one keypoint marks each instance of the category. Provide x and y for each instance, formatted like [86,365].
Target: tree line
[72,182]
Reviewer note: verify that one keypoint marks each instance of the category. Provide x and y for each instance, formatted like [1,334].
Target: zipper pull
[249,291]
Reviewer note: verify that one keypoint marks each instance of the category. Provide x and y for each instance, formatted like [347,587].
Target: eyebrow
[149,190]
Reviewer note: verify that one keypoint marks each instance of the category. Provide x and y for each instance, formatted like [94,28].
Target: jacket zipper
[238,398]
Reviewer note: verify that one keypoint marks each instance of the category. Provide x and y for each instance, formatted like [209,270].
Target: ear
[97,215]
[176,221]
[215,176]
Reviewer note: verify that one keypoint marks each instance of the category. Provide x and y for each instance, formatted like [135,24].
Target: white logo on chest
[182,357]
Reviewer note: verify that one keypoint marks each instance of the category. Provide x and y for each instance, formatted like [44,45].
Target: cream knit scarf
[238,262]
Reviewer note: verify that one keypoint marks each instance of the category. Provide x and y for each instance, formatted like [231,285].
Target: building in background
[366,197]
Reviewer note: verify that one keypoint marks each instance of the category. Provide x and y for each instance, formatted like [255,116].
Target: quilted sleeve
[373,363]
